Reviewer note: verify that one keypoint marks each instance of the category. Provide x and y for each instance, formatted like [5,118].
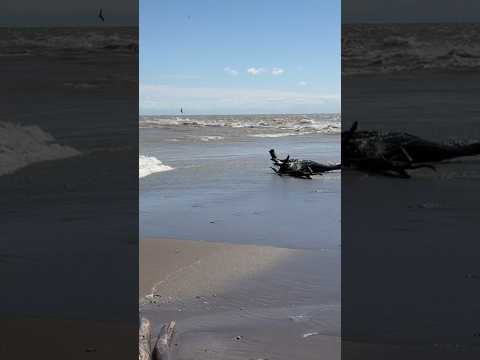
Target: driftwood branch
[144,340]
[299,168]
[390,154]
[162,349]
[163,345]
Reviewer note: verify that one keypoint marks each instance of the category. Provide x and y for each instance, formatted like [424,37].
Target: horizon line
[408,22]
[225,114]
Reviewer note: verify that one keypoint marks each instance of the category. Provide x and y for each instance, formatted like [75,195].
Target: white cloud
[277,71]
[255,71]
[302,83]
[230,71]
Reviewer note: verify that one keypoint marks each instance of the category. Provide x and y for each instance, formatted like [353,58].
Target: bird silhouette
[100,15]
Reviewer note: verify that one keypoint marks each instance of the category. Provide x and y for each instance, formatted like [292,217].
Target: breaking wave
[316,123]
[277,135]
[21,146]
[211,138]
[148,165]
[373,49]
[19,41]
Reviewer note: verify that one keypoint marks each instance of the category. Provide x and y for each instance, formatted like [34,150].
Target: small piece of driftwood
[162,350]
[144,340]
[163,346]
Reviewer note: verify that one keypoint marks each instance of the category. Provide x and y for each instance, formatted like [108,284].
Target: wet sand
[242,301]
[399,351]
[185,267]
[426,233]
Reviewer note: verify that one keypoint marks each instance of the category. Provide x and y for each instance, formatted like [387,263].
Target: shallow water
[224,190]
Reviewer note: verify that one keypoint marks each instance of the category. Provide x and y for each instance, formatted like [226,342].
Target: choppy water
[178,131]
[391,48]
[62,40]
[261,125]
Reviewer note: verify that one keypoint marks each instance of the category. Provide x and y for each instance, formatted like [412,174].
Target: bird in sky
[100,15]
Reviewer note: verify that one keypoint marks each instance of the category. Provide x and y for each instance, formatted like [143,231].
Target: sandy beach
[184,268]
[227,298]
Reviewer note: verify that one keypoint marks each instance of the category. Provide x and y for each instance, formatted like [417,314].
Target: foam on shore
[148,165]
[22,145]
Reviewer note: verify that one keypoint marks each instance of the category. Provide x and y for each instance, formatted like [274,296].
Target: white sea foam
[148,165]
[399,41]
[211,138]
[279,134]
[24,145]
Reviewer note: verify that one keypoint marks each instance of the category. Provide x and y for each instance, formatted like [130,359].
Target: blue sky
[239,56]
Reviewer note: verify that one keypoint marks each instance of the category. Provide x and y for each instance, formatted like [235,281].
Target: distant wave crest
[148,165]
[277,135]
[393,48]
[24,145]
[292,124]
[210,138]
[23,42]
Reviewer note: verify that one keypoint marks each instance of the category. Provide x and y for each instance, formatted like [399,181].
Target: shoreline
[163,261]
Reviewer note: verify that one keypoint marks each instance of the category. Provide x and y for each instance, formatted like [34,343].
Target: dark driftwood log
[388,155]
[299,168]
[163,344]
[393,153]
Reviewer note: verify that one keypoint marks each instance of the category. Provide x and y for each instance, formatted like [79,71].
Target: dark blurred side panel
[69,181]
[410,232]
